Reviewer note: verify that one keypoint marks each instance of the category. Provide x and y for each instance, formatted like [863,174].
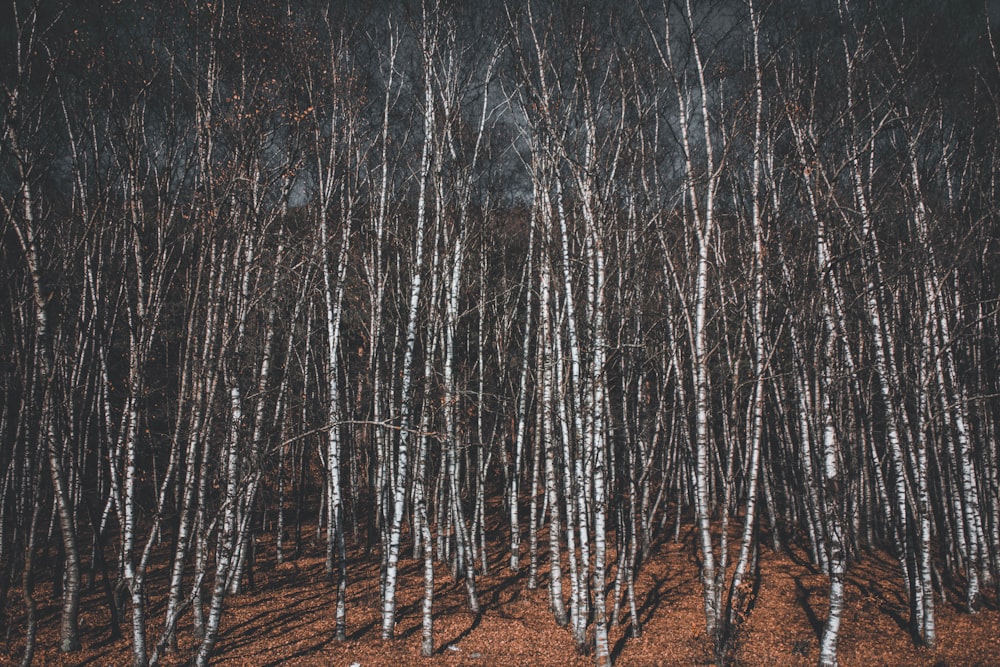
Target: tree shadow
[802,595]
[619,646]
[659,592]
[307,651]
[796,557]
[361,631]
[476,621]
[249,626]
[872,592]
[505,584]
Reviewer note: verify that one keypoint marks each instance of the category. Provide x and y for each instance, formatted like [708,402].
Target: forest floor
[288,619]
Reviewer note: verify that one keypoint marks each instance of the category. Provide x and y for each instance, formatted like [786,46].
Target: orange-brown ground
[288,620]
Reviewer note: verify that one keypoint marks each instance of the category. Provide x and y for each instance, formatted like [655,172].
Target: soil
[288,619]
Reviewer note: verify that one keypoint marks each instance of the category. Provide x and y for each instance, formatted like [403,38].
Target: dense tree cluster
[589,271]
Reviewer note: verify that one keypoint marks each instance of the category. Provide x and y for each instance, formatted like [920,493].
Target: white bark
[428,45]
